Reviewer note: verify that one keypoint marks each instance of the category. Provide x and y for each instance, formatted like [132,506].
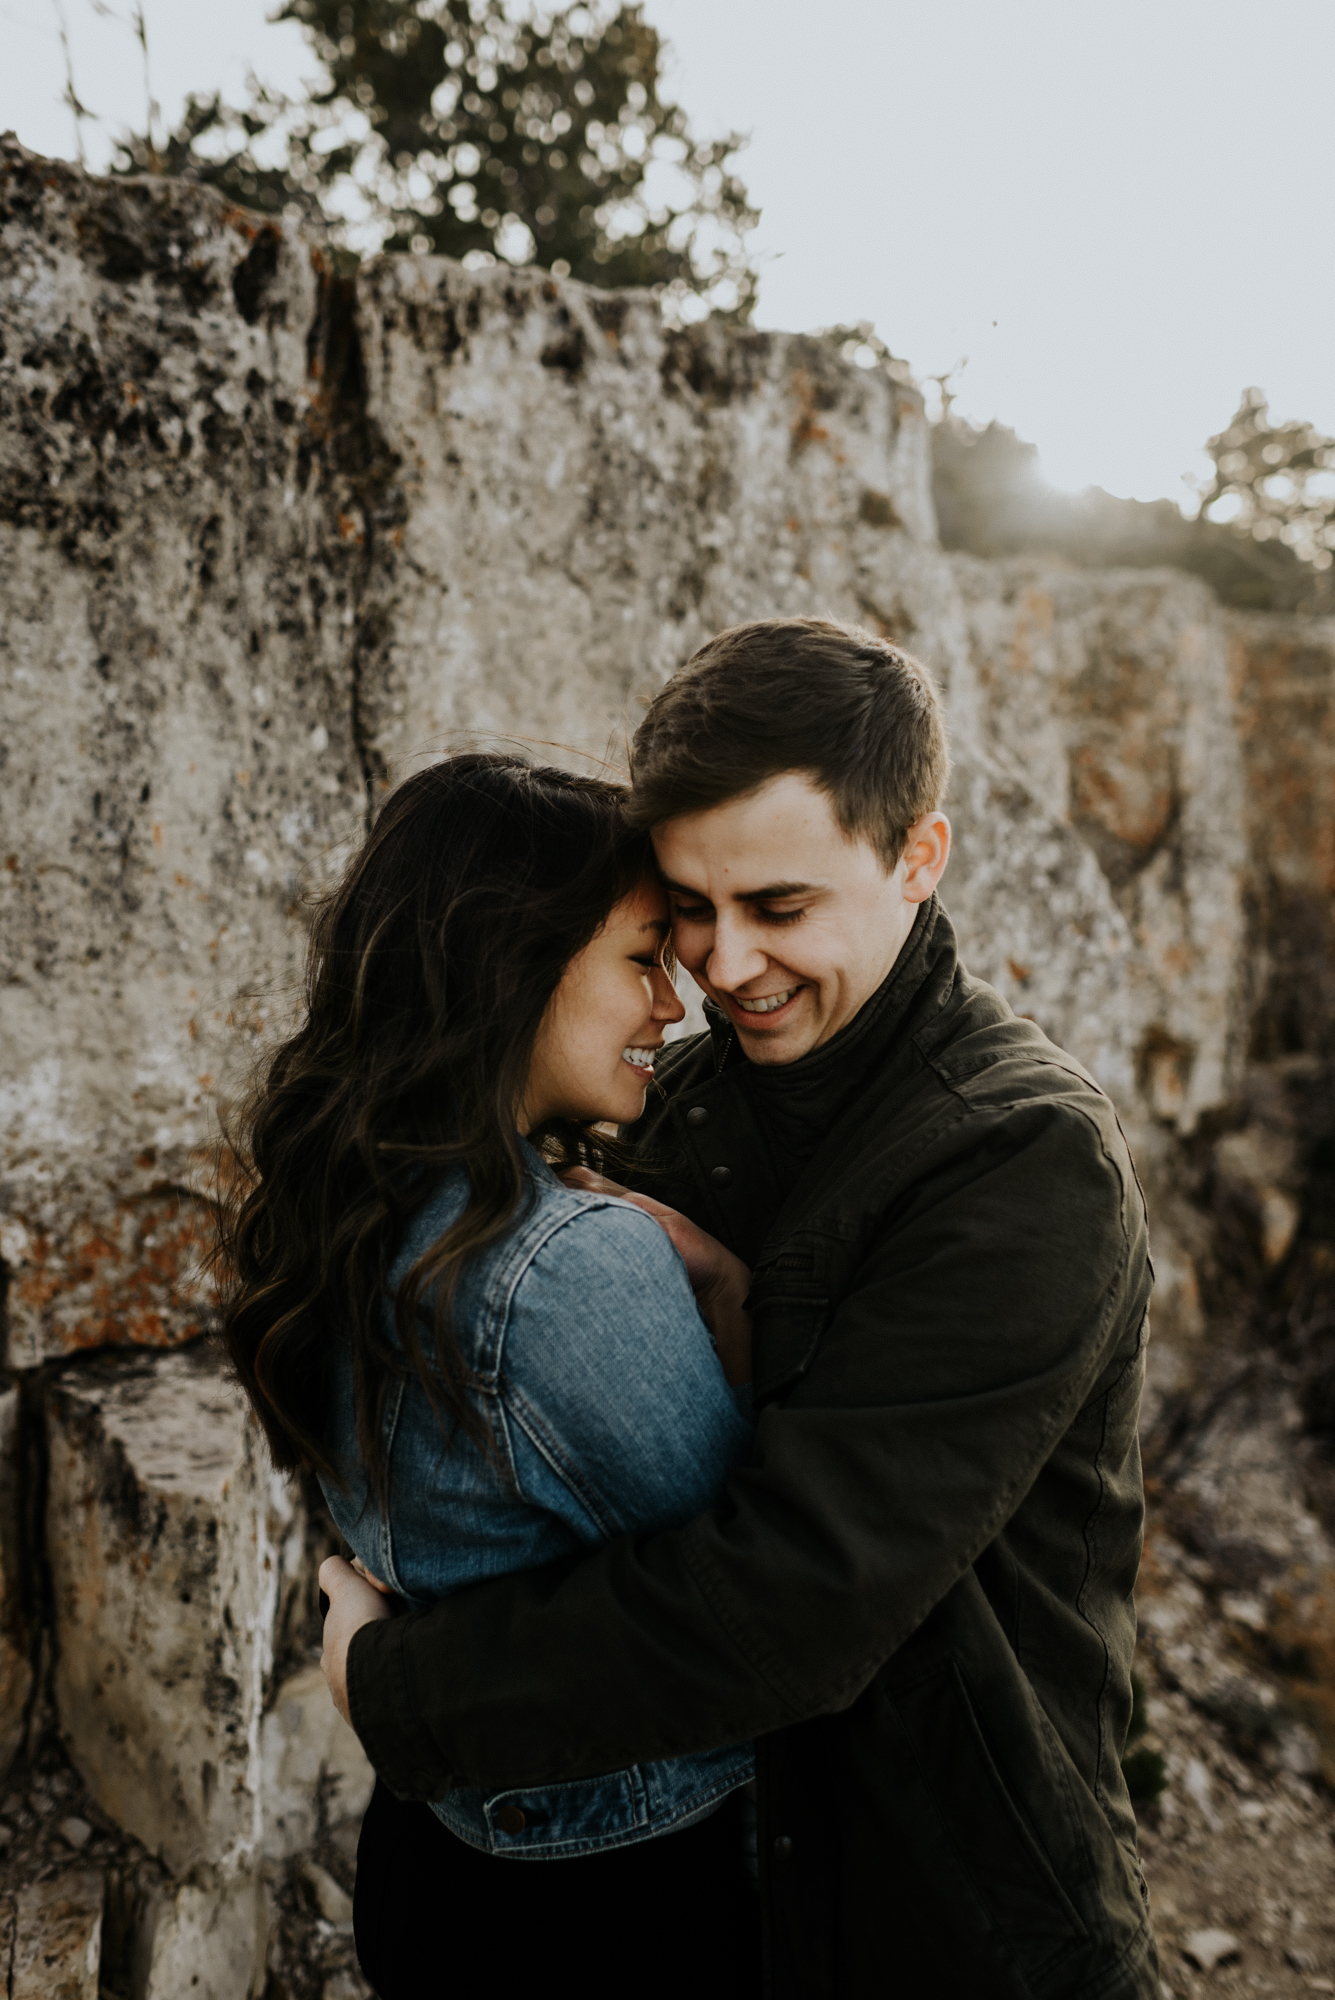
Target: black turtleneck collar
[796,1103]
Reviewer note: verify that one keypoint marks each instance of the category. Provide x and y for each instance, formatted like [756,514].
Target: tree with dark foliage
[440,125]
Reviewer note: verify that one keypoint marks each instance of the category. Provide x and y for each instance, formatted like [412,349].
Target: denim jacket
[596,1379]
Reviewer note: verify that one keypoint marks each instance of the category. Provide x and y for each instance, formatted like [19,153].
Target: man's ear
[926,852]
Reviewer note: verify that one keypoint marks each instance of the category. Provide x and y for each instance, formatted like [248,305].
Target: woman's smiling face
[593,1057]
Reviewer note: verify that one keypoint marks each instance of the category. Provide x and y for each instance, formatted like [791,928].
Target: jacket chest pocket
[788,1306]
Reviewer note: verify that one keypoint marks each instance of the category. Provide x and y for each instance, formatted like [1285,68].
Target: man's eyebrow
[776,891]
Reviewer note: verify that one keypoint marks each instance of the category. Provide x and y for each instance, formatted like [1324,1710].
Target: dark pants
[677,1916]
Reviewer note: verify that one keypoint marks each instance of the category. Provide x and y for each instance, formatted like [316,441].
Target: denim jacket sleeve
[618,1413]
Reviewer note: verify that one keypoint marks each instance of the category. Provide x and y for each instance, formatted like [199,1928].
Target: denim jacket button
[783,1848]
[697,1115]
[510,1819]
[721,1176]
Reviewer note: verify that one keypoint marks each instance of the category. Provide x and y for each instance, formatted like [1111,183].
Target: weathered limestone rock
[172,1547]
[312,1766]
[1260,1169]
[588,495]
[269,542]
[179,746]
[333,1901]
[57,1939]
[205,1941]
[264,545]
[1283,688]
[1108,690]
[15,1639]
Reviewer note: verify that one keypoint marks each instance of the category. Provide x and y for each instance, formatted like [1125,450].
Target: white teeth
[639,1058]
[768,1004]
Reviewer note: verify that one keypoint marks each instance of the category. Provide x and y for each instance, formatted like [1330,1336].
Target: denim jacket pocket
[582,1815]
[544,1822]
[577,1817]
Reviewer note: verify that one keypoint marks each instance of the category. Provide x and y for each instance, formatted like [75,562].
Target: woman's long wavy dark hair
[429,971]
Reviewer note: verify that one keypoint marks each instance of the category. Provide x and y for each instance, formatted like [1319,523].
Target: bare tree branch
[77,110]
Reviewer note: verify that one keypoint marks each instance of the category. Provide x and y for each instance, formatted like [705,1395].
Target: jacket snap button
[721,1176]
[783,1848]
[697,1115]
[510,1819]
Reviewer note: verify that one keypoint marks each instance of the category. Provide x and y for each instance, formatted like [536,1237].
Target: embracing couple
[746,1509]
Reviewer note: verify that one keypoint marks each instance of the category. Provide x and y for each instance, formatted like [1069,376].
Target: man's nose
[734,957]
[668,1004]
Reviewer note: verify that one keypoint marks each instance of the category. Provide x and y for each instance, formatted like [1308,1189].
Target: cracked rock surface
[269,540]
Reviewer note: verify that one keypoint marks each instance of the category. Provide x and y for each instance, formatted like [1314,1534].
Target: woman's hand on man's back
[719,1280]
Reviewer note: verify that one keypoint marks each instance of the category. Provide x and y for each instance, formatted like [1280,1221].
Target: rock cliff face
[179,724]
[271,542]
[268,540]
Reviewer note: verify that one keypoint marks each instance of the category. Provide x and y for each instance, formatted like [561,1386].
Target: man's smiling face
[782,919]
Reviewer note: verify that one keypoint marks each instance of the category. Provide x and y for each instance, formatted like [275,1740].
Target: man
[916,1595]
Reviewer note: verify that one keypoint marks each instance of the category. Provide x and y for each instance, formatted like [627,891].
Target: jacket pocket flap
[786,1332]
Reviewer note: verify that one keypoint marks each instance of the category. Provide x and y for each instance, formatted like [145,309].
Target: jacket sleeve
[619,1413]
[979,1322]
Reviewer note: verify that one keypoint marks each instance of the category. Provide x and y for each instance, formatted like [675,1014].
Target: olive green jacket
[916,1594]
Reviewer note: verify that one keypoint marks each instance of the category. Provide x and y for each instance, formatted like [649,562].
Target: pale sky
[1121,215]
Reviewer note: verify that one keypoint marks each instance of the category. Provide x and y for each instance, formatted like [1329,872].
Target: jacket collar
[802,1099]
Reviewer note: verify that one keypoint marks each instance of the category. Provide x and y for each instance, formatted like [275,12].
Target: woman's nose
[668,1004]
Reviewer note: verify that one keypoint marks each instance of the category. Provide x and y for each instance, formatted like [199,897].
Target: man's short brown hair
[862,719]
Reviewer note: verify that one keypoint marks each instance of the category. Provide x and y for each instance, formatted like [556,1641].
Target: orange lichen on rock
[805,429]
[135,1274]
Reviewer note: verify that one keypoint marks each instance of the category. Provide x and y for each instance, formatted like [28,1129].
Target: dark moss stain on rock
[254,275]
[609,311]
[365,487]
[433,326]
[568,347]
[122,259]
[341,417]
[716,368]
[451,340]
[878,510]
[209,543]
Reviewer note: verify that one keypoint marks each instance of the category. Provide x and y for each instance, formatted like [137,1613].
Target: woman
[486,1367]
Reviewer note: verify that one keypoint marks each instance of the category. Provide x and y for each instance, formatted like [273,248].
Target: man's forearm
[779,1604]
[432,1711]
[904,1452]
